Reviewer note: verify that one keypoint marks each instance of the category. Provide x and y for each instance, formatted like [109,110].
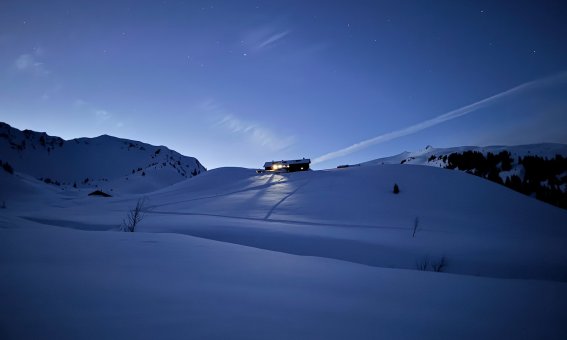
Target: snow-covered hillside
[112,164]
[424,156]
[319,255]
[538,170]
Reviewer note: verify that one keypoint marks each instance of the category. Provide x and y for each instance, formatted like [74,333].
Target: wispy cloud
[79,103]
[101,116]
[272,39]
[253,131]
[30,63]
[561,77]
[263,37]
[51,91]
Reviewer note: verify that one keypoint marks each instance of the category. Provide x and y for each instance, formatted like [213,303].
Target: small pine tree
[8,168]
[396,189]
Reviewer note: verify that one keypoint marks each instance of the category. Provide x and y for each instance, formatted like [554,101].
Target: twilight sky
[237,83]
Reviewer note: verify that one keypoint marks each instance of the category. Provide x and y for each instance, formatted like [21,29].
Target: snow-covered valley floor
[231,254]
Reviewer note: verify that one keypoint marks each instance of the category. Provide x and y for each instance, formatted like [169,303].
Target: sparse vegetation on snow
[134,217]
[538,171]
[299,247]
[396,189]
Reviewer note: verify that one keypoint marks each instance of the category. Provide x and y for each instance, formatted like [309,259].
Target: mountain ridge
[93,162]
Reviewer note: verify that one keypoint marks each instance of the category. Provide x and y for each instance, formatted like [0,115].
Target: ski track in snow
[284,198]
[257,187]
[274,220]
[72,224]
[317,254]
[292,253]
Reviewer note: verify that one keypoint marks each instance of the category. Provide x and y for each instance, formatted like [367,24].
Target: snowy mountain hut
[287,166]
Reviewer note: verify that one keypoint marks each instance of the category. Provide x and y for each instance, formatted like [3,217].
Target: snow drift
[321,254]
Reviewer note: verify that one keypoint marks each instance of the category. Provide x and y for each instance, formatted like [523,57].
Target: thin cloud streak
[29,63]
[257,133]
[442,118]
[253,132]
[101,116]
[272,39]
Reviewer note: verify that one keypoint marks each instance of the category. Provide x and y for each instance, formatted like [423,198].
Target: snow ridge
[537,170]
[104,161]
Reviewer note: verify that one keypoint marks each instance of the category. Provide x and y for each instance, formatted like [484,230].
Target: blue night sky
[236,83]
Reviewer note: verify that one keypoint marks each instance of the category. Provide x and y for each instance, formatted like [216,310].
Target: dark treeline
[543,177]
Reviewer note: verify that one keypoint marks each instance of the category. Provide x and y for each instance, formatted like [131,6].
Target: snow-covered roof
[288,162]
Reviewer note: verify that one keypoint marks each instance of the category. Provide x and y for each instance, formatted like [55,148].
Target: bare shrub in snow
[135,216]
[439,266]
[423,264]
[426,264]
[415,226]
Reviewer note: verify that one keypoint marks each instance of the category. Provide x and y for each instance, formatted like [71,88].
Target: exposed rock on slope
[104,161]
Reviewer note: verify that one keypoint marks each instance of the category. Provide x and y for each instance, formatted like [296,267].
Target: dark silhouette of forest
[542,177]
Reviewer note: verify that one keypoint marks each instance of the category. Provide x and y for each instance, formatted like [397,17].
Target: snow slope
[103,162]
[352,215]
[421,157]
[73,284]
[317,255]
[537,170]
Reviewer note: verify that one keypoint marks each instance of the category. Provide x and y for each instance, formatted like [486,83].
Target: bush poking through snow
[3,206]
[423,264]
[428,265]
[415,226]
[134,217]
[439,265]
[396,189]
